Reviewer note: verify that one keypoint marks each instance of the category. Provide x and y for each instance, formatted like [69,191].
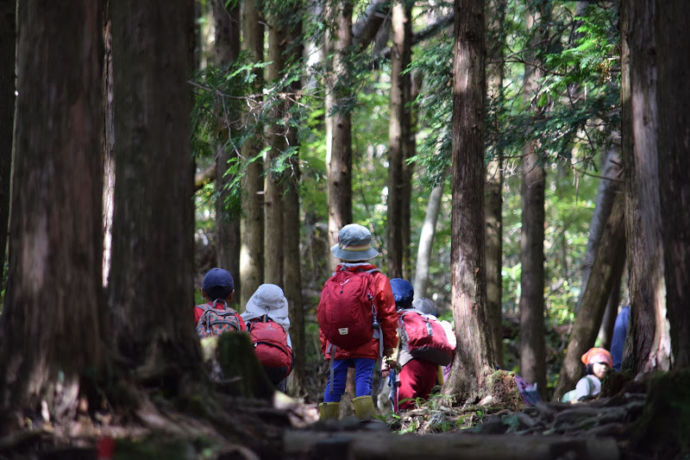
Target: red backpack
[346,312]
[216,321]
[426,338]
[270,344]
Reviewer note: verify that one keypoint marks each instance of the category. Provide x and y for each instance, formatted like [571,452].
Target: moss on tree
[665,422]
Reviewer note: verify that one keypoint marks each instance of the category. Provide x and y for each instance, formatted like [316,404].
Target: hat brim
[353,255]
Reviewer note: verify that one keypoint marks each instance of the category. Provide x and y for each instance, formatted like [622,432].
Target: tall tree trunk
[338,119]
[410,150]
[609,188]
[7,64]
[426,239]
[493,206]
[153,224]
[398,139]
[55,254]
[474,357]
[532,335]
[673,45]
[273,180]
[292,274]
[252,219]
[108,147]
[608,264]
[649,326]
[226,50]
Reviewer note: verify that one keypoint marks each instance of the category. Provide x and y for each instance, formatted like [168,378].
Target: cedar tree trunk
[273,180]
[252,219]
[398,139]
[474,354]
[151,291]
[226,18]
[493,206]
[648,323]
[7,63]
[54,282]
[532,338]
[673,94]
[338,119]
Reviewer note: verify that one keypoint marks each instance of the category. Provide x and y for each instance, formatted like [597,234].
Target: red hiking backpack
[216,321]
[426,338]
[346,312]
[270,344]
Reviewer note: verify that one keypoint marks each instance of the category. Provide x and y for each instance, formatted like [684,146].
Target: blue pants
[364,373]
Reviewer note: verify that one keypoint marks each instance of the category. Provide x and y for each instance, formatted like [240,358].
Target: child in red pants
[417,376]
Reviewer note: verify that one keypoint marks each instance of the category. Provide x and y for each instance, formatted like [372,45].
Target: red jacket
[386,314]
[198,312]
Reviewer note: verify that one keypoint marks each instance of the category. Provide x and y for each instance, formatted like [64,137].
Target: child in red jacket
[354,250]
[216,316]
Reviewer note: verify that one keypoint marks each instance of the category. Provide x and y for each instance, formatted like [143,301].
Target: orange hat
[597,355]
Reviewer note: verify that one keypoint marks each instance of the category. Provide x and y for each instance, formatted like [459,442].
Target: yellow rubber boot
[364,407]
[329,410]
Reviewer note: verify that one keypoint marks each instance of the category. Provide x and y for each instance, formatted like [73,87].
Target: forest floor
[499,426]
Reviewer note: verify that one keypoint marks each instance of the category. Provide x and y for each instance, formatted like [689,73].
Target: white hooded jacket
[270,300]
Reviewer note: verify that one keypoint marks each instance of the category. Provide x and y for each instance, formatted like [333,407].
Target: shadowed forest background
[522,163]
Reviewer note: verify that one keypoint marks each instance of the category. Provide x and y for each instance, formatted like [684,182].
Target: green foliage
[577,99]
[434,105]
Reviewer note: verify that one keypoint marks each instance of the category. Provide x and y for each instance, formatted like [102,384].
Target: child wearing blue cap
[216,316]
[417,376]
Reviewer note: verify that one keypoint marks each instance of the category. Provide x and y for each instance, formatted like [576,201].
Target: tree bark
[369,23]
[153,224]
[648,324]
[7,63]
[252,219]
[54,284]
[398,140]
[338,119]
[273,179]
[226,50]
[474,357]
[108,147]
[532,335]
[426,240]
[673,45]
[493,206]
[609,188]
[292,274]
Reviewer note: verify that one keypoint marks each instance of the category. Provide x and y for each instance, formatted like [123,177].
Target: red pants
[417,378]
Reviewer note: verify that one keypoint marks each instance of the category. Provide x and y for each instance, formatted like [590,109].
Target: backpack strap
[203,319]
[378,331]
[215,302]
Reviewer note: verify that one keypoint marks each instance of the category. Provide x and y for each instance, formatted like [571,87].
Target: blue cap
[403,292]
[218,283]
